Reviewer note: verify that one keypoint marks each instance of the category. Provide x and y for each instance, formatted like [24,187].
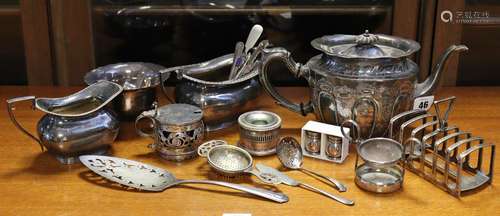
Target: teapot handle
[297,69]
[11,108]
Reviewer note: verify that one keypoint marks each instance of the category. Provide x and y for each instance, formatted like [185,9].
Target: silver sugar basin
[206,85]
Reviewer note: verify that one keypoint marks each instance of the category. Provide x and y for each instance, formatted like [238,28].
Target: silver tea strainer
[232,161]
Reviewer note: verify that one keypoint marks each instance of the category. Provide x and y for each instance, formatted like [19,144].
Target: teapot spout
[429,85]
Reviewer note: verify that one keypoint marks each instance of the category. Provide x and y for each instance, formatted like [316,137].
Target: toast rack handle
[443,119]
[11,108]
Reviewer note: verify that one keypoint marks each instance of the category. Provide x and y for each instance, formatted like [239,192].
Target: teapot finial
[366,38]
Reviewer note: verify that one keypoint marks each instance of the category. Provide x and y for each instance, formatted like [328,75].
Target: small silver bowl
[382,170]
[139,81]
[259,132]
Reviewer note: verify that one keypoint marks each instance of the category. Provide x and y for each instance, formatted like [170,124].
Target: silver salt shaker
[313,145]
[334,147]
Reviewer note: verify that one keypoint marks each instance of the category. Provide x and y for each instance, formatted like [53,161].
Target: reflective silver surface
[334,146]
[146,177]
[285,179]
[452,159]
[76,124]
[259,132]
[380,151]
[130,75]
[206,85]
[365,45]
[131,103]
[367,80]
[379,179]
[232,161]
[313,143]
[229,159]
[382,170]
[290,155]
[139,81]
[177,130]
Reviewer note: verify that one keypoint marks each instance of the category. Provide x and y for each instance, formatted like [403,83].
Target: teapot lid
[365,46]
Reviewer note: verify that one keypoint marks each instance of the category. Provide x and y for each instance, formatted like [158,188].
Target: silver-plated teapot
[367,78]
[76,124]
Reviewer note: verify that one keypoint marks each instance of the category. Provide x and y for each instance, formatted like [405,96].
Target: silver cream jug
[367,78]
[76,124]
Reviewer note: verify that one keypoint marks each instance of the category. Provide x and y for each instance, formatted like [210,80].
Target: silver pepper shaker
[334,147]
[313,145]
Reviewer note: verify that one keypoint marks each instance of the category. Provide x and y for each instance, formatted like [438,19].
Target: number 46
[423,105]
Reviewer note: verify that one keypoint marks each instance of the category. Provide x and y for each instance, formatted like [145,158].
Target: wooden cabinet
[65,39]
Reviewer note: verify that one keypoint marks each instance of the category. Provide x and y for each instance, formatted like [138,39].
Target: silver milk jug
[76,124]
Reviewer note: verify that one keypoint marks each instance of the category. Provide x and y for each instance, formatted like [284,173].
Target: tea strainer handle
[278,53]
[204,148]
[11,108]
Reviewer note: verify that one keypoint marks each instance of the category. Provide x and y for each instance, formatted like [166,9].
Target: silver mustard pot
[76,124]
[367,78]
[177,130]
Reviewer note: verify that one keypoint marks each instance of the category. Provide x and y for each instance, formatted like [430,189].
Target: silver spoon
[290,155]
[250,62]
[294,183]
[238,60]
[253,36]
[146,177]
